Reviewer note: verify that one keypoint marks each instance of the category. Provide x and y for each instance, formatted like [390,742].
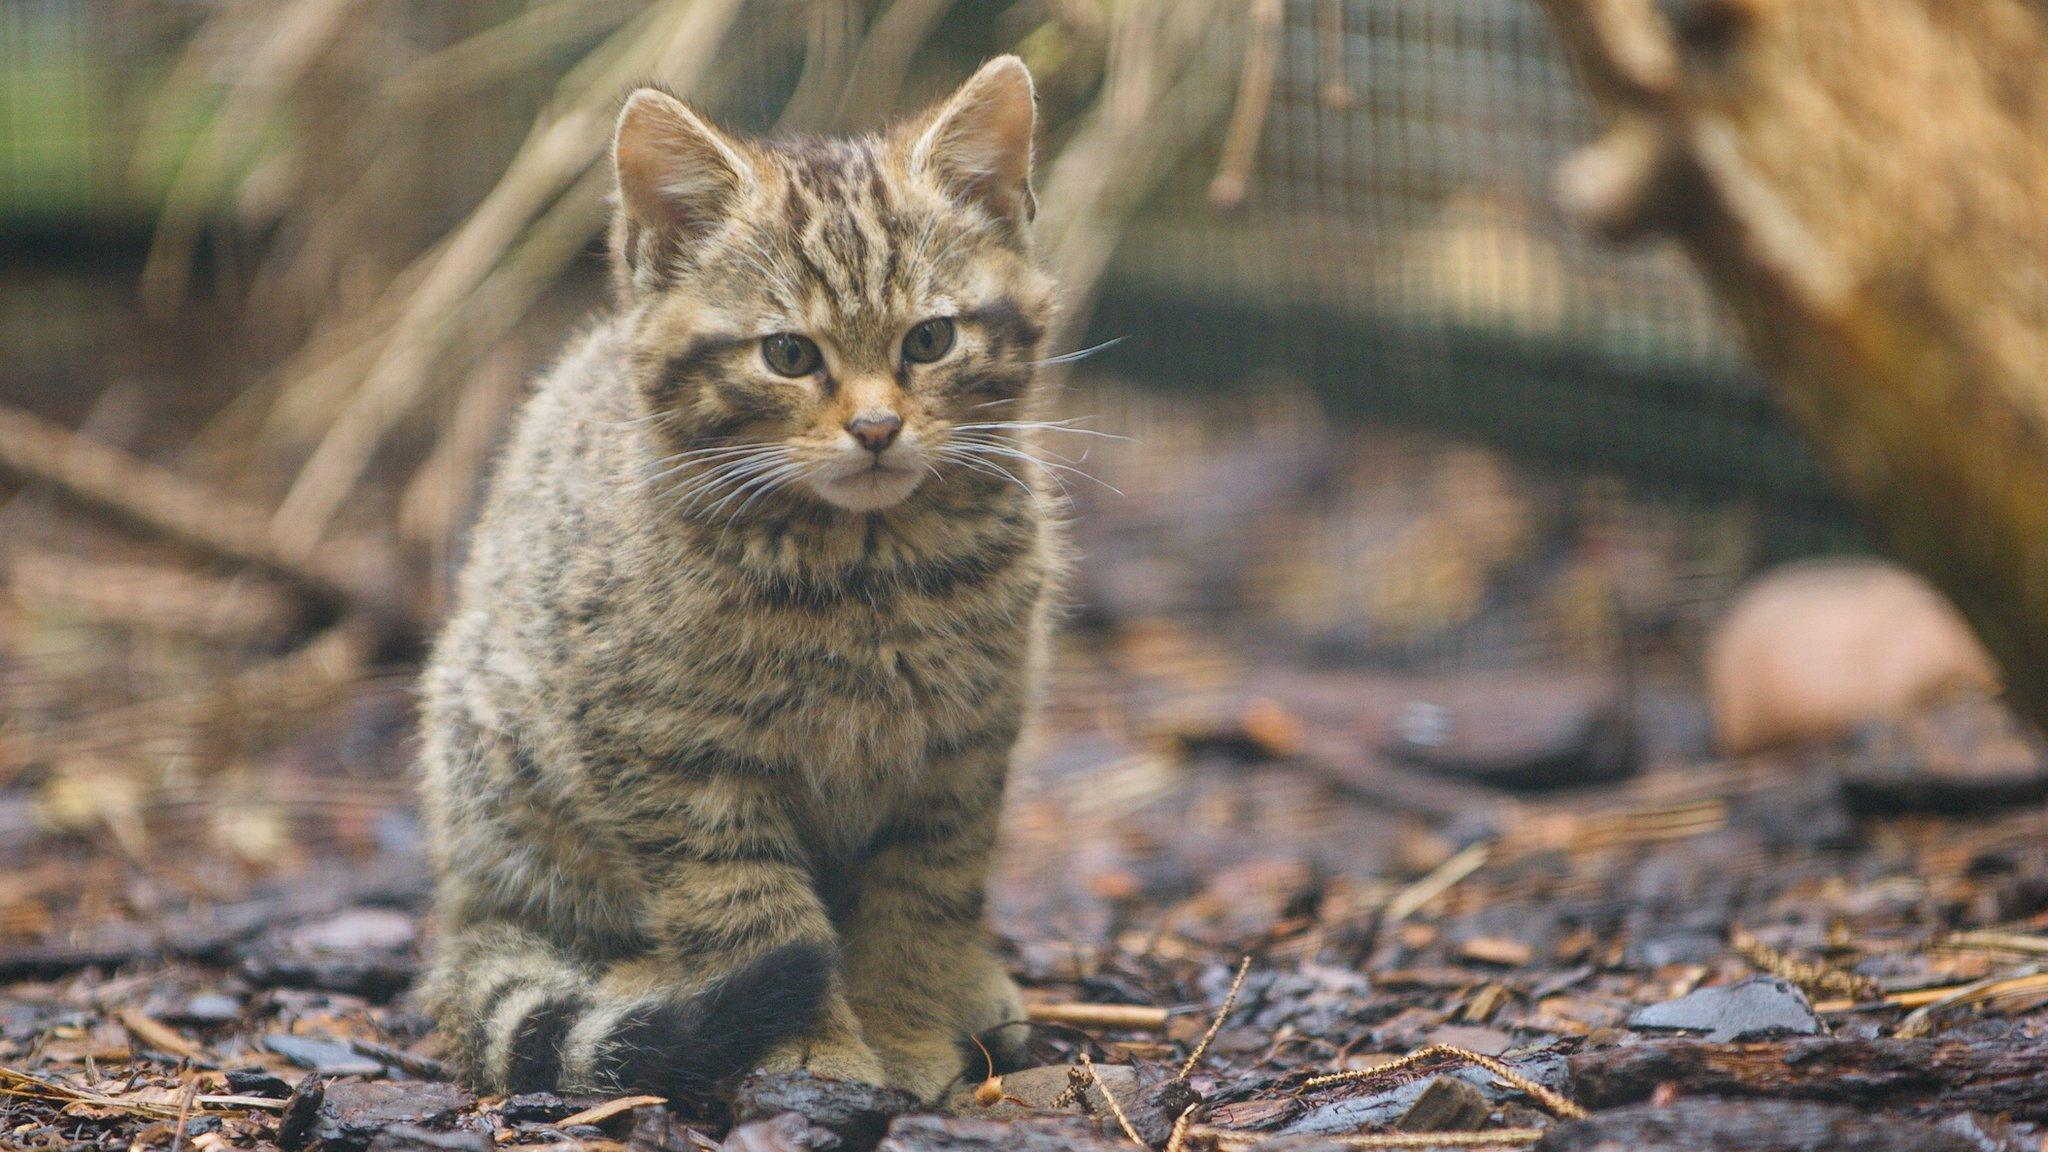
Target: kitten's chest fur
[846,663]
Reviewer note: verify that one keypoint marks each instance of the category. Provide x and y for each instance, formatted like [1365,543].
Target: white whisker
[1018,453]
[1079,354]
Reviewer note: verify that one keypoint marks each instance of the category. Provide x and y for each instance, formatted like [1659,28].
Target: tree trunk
[1865,185]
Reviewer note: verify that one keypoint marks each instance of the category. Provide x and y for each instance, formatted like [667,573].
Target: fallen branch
[181,510]
[208,934]
[1917,1077]
[1229,1141]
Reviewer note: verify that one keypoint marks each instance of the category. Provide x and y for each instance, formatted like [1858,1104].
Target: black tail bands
[575,1040]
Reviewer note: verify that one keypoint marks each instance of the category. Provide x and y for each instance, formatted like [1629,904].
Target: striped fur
[713,751]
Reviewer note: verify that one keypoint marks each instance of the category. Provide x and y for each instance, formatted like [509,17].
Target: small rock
[407,1138]
[325,1056]
[364,951]
[658,1130]
[537,1108]
[1447,1104]
[1758,1007]
[788,1132]
[346,1116]
[1526,731]
[1965,754]
[25,1021]
[1485,1041]
[257,1082]
[955,1134]
[358,930]
[857,1114]
[1812,651]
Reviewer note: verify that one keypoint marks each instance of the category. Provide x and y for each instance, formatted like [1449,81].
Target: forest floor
[1348,715]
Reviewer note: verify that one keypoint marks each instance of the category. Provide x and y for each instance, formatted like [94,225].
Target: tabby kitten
[715,741]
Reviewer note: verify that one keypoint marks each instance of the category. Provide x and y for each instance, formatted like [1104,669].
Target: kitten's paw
[854,1062]
[925,1067]
[994,1013]
[848,1060]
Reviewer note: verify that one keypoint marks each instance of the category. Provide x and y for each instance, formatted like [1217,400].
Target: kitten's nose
[875,430]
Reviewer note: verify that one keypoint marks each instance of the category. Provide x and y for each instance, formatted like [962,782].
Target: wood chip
[598,1114]
[150,1032]
[1497,950]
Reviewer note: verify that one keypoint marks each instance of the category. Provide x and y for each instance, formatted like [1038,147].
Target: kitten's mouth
[868,486]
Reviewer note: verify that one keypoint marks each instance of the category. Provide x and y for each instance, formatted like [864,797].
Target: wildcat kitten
[716,738]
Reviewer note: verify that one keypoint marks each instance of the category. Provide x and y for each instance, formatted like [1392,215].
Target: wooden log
[1865,184]
[1916,1077]
[1710,1125]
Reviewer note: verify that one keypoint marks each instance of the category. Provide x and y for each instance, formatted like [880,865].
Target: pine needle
[1550,1099]
[1244,968]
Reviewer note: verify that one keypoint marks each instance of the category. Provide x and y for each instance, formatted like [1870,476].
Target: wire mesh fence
[1395,249]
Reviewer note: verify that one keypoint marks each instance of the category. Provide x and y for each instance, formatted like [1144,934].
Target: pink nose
[875,431]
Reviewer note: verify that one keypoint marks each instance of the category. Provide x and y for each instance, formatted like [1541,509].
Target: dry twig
[176,508]
[1122,1017]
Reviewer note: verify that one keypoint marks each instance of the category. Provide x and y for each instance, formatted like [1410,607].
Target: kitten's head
[832,317]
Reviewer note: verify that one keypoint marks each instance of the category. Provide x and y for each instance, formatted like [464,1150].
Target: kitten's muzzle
[875,431]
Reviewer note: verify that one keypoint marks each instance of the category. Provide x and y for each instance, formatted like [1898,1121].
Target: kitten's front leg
[732,888]
[921,971]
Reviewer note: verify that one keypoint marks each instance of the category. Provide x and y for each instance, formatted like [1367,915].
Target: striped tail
[525,1017]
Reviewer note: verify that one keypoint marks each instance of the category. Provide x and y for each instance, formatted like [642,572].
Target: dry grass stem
[677,44]
[1248,121]
[2025,984]
[1336,91]
[2008,942]
[1440,880]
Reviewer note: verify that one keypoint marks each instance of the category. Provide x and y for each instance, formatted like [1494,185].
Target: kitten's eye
[929,340]
[788,354]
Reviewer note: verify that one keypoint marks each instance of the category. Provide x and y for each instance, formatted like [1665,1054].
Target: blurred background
[1424,496]
[1386,407]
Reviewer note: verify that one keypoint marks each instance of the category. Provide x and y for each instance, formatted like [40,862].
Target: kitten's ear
[977,147]
[678,178]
